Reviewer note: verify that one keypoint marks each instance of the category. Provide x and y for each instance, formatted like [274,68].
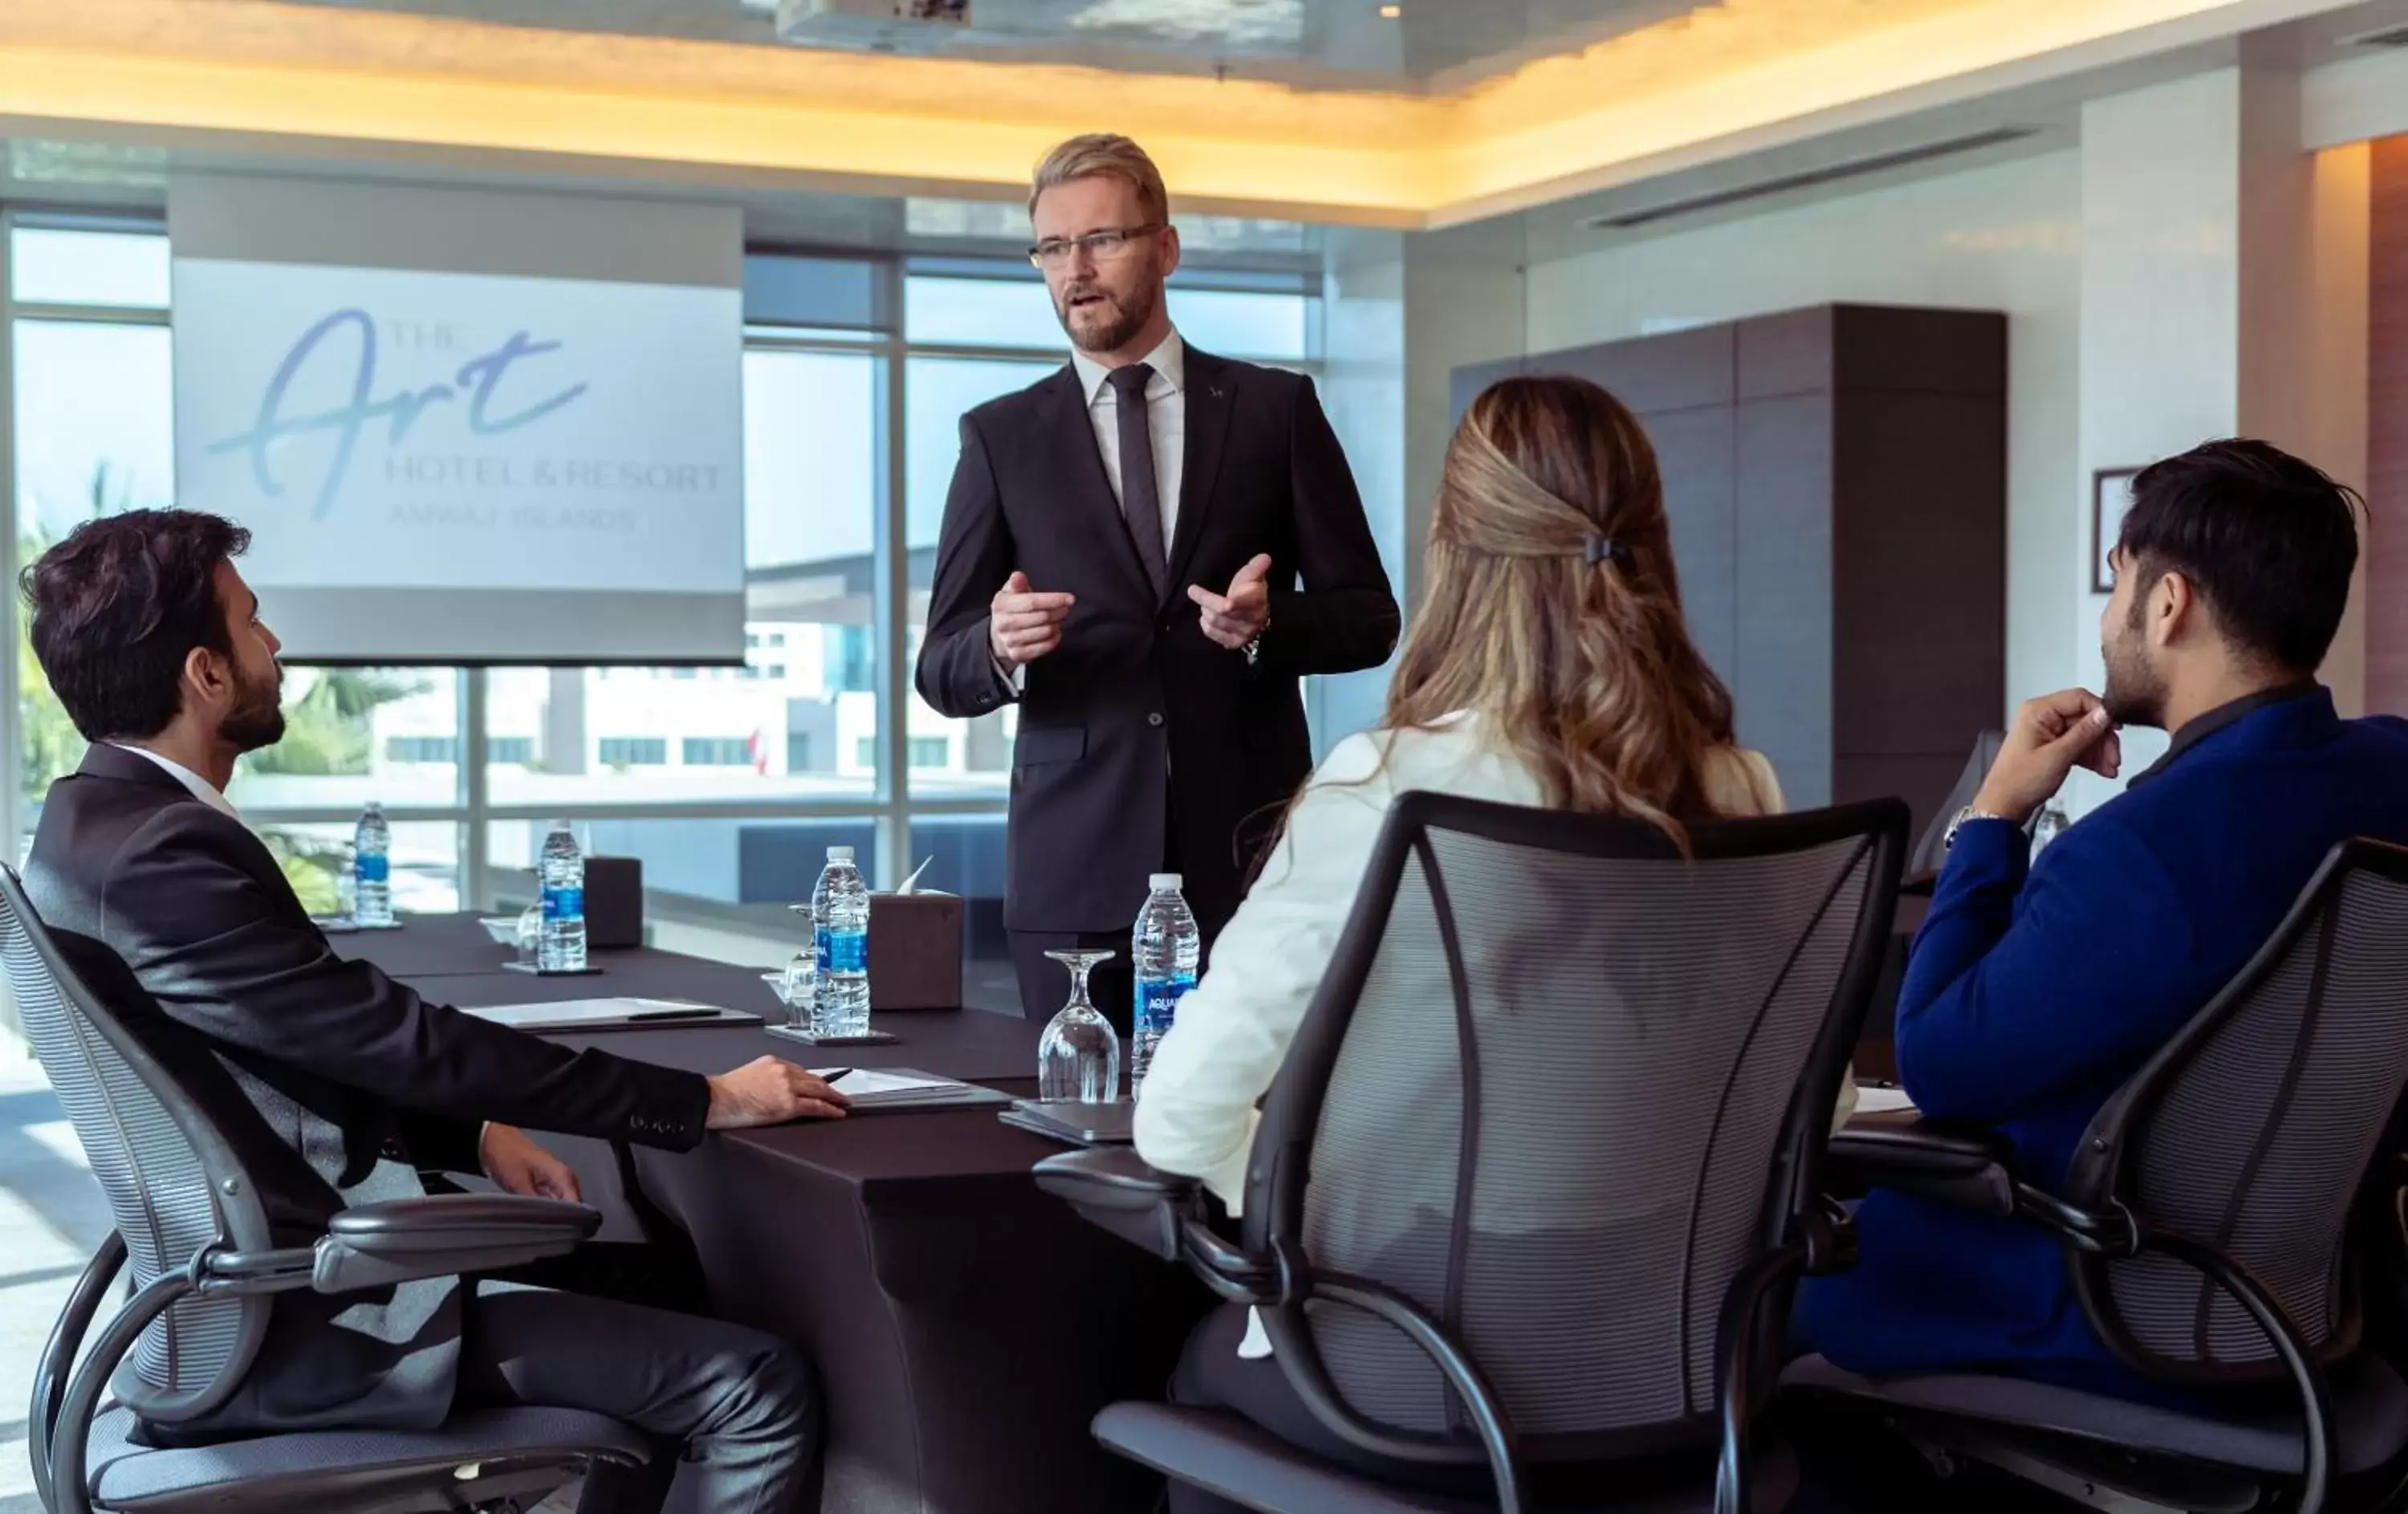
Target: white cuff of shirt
[1015,679]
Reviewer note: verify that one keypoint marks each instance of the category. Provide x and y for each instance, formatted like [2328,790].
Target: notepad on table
[609,1014]
[1881,1099]
[869,1082]
[880,1088]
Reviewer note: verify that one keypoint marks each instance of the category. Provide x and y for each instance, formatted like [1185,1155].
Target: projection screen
[465,426]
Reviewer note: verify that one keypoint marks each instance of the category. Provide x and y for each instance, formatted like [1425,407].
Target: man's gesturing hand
[1239,616]
[2051,736]
[1024,626]
[769,1090]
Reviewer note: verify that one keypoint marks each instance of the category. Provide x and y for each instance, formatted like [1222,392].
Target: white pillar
[1401,311]
[2223,294]
[1362,390]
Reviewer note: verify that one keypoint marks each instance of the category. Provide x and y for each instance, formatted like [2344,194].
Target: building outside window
[401,749]
[717,752]
[633,751]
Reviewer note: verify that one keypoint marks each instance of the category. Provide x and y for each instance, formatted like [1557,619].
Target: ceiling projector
[887,25]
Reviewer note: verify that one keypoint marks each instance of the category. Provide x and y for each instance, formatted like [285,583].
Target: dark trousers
[1045,984]
[739,1408]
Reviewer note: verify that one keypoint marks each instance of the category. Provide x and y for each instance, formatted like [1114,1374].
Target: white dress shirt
[1197,1115]
[204,790]
[1166,412]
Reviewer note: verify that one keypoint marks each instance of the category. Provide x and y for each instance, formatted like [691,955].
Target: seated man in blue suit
[2029,999]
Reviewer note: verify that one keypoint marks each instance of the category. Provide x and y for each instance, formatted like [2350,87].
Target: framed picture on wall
[2111,494]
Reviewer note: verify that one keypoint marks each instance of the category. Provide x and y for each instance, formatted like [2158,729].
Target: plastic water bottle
[1166,948]
[561,949]
[841,937]
[372,869]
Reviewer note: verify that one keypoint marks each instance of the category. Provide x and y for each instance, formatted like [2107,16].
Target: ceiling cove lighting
[320,82]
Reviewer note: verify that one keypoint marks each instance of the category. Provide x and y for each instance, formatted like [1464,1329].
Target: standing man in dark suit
[335,1083]
[1145,550]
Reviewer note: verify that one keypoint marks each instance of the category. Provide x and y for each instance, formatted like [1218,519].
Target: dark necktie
[1141,498]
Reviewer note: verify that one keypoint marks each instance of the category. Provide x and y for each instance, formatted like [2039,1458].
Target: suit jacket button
[1154,719]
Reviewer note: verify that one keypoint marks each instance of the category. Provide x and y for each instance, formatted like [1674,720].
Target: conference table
[965,1326]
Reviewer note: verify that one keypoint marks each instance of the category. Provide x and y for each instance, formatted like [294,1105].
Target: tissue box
[614,901]
[915,951]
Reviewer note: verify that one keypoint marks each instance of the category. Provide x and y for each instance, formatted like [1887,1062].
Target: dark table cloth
[966,1326]
[426,945]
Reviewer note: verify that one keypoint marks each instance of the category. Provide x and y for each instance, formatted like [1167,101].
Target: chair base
[487,1459]
[2086,1474]
[2124,1457]
[1233,1458]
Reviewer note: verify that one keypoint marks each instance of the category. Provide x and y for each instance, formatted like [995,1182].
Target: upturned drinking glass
[1079,1060]
[530,935]
[797,990]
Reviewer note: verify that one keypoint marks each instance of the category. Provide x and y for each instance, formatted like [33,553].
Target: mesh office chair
[203,1270]
[1545,1149]
[1931,847]
[2214,1224]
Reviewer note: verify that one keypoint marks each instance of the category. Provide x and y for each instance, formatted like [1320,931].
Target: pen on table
[833,1073]
[695,1014]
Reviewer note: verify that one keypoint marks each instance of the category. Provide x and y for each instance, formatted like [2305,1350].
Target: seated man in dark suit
[336,1082]
[2029,999]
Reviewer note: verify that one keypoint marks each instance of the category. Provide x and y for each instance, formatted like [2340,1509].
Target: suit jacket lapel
[1074,437]
[1209,403]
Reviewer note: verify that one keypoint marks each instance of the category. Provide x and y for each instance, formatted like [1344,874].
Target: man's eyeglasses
[1103,246]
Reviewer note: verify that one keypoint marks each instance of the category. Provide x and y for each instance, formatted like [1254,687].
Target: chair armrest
[1965,1168]
[375,1245]
[1112,1176]
[1112,1187]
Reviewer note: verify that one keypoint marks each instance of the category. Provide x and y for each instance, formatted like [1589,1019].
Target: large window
[356,734]
[728,783]
[90,432]
[937,390]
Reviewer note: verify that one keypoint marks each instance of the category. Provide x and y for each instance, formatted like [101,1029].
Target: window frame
[891,805]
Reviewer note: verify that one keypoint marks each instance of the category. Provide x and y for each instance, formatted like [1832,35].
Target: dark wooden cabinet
[1836,482]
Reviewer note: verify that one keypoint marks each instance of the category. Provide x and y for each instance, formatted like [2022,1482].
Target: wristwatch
[1948,841]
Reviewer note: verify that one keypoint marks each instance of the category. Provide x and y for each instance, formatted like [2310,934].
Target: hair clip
[1602,549]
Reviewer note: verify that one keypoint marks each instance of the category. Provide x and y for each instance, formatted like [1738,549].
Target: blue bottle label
[371,867]
[564,903]
[820,950]
[845,951]
[1158,999]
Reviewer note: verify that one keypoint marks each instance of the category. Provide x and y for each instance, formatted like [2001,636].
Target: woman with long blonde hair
[1549,665]
[1554,615]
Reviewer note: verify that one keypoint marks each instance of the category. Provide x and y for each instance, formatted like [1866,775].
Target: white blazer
[1197,1115]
